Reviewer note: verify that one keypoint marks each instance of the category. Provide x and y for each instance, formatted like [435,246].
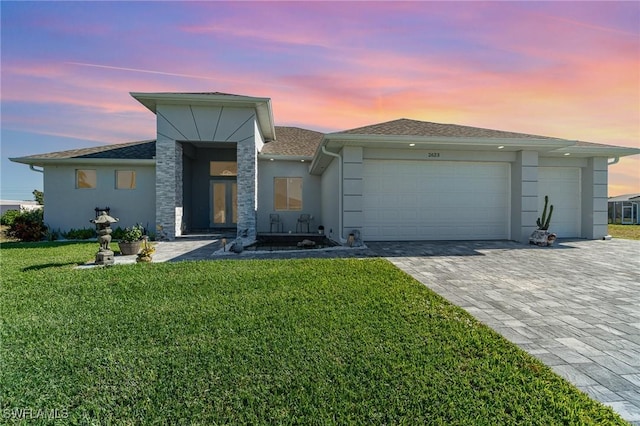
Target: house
[21,206]
[625,209]
[219,162]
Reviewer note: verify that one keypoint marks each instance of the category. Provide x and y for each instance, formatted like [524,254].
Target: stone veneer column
[247,180]
[168,187]
[524,195]
[594,199]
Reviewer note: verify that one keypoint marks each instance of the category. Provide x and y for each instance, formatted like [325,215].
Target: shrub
[28,226]
[79,234]
[117,234]
[131,234]
[8,217]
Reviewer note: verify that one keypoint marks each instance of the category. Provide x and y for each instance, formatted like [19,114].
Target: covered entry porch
[210,187]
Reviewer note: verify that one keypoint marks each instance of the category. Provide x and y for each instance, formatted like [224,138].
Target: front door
[224,204]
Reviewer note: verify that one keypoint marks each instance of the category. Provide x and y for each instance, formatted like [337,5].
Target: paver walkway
[576,306]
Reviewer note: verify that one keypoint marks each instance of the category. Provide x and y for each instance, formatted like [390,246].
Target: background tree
[38,196]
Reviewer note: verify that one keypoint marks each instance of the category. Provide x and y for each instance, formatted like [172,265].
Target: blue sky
[564,69]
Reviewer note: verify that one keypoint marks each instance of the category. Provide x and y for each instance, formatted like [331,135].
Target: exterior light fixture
[302,161]
[412,144]
[567,153]
[501,147]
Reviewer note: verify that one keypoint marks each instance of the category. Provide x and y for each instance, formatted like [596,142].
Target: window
[288,193]
[86,178]
[125,179]
[223,168]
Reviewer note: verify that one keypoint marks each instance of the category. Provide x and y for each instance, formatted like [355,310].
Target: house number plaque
[433,155]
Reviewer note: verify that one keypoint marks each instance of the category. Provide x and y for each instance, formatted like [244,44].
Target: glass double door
[224,203]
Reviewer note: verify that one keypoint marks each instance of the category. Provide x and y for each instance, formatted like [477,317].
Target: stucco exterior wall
[594,198]
[524,195]
[330,199]
[311,194]
[70,207]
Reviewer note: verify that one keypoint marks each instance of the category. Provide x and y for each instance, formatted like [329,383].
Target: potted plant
[131,240]
[146,252]
[542,236]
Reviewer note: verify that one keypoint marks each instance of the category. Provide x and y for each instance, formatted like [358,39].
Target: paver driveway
[575,306]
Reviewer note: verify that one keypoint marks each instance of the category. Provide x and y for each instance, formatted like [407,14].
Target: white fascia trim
[42,162]
[346,138]
[596,151]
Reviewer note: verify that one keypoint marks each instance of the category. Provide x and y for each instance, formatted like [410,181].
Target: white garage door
[424,200]
[562,185]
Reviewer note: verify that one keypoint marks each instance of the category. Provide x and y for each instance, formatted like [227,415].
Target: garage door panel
[435,200]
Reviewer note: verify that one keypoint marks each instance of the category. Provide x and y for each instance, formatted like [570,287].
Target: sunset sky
[563,69]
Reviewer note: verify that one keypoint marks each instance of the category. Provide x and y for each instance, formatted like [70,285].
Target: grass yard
[626,232]
[251,342]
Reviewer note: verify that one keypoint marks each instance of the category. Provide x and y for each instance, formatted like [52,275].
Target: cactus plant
[543,222]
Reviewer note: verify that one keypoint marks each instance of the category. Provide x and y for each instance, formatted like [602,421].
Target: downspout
[340,189]
[614,161]
[32,167]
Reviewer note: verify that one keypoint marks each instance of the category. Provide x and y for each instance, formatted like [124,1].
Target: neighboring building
[625,209]
[18,205]
[219,162]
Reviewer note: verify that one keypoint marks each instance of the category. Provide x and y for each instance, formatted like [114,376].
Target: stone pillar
[247,181]
[165,186]
[524,195]
[594,198]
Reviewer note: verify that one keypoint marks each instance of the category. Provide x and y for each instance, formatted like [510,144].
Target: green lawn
[626,232]
[274,341]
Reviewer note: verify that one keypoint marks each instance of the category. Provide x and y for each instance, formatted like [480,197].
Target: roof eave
[595,151]
[42,162]
[531,143]
[279,157]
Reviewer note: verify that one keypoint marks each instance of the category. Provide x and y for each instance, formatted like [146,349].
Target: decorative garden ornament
[103,228]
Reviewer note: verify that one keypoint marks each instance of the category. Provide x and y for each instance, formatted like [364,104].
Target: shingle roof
[297,142]
[141,150]
[406,127]
[294,141]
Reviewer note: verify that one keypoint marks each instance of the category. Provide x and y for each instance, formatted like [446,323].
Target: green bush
[79,234]
[8,217]
[28,226]
[117,234]
[131,234]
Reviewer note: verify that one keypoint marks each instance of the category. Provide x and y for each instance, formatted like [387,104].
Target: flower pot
[128,249]
[143,259]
